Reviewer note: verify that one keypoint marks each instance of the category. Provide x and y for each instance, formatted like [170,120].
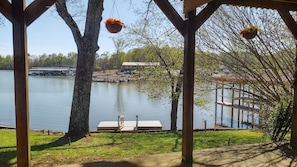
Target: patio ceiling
[285,5]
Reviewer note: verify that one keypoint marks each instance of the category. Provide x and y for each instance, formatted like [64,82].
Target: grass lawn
[54,150]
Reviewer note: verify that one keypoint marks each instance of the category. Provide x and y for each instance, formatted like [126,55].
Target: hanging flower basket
[114,25]
[249,32]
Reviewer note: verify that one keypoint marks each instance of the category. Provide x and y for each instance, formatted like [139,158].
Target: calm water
[50,102]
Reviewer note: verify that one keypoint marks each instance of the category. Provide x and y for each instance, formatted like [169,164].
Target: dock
[240,98]
[129,126]
[51,71]
[6,127]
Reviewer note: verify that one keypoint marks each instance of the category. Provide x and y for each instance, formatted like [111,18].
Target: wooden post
[216,105]
[243,103]
[293,141]
[260,115]
[249,105]
[232,103]
[239,103]
[188,87]
[253,111]
[136,122]
[119,120]
[21,83]
[292,25]
[222,107]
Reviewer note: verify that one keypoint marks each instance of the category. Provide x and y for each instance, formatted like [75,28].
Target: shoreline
[49,132]
[114,77]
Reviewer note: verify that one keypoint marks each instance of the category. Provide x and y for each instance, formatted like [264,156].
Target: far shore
[114,77]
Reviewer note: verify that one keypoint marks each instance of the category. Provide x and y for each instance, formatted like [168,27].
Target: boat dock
[6,127]
[51,71]
[240,99]
[129,126]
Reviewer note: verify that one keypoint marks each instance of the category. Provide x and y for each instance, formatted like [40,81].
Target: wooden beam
[190,5]
[292,25]
[287,1]
[293,140]
[290,22]
[21,17]
[205,14]
[268,4]
[6,9]
[21,83]
[36,8]
[188,87]
[171,14]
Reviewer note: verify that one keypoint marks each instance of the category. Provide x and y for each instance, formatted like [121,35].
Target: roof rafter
[6,9]
[267,4]
[290,5]
[172,15]
[290,22]
[206,13]
[36,8]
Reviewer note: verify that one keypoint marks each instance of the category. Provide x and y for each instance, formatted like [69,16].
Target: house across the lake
[131,66]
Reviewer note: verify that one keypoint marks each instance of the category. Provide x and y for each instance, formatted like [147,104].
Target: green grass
[47,150]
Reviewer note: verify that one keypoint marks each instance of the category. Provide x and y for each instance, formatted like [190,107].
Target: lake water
[50,102]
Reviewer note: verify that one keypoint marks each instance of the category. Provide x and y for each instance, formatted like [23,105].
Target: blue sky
[49,34]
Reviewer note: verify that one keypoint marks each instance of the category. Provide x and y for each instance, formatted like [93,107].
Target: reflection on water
[119,100]
[50,101]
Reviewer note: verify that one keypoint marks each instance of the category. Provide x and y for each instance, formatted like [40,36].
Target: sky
[49,33]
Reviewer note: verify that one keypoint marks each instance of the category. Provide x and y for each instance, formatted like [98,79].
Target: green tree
[170,72]
[6,63]
[161,41]
[117,59]
[72,59]
[102,62]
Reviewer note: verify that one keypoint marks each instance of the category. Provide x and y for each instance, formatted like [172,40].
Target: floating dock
[6,127]
[51,71]
[129,126]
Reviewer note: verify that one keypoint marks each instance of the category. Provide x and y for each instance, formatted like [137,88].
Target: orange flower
[249,29]
[249,32]
[242,31]
[114,21]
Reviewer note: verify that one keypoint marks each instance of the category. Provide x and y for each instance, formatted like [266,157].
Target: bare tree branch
[63,12]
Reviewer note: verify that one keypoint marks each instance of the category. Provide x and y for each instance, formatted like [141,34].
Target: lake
[50,102]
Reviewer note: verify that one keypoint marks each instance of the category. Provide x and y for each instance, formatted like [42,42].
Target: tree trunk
[87,47]
[176,91]
[174,109]
[79,118]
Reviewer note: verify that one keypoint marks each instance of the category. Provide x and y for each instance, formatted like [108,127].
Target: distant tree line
[44,60]
[105,61]
[6,62]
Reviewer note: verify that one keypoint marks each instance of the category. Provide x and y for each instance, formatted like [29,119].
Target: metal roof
[140,64]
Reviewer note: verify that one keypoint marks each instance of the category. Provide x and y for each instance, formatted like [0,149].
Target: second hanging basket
[249,32]
[114,25]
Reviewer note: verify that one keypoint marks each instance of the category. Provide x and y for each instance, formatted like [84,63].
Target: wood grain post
[232,103]
[223,102]
[292,25]
[21,83]
[216,105]
[188,88]
[293,141]
[239,103]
